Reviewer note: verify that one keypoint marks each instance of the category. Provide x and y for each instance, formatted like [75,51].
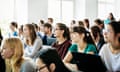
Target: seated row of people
[47,60]
[81,41]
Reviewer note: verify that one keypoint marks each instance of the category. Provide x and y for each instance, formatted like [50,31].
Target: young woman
[48,60]
[110,52]
[97,37]
[20,32]
[12,52]
[109,19]
[82,42]
[63,42]
[32,43]
[86,24]
[13,28]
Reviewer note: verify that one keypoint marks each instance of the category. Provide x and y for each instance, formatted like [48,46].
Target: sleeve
[28,66]
[15,34]
[92,48]
[101,53]
[73,48]
[36,47]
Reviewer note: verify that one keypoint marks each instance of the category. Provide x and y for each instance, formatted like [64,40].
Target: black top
[2,64]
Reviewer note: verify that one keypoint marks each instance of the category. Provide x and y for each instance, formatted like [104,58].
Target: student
[20,32]
[50,21]
[63,42]
[32,43]
[109,19]
[100,24]
[110,52]
[80,23]
[86,24]
[97,37]
[37,30]
[47,33]
[82,42]
[72,24]
[41,24]
[12,51]
[13,28]
[48,60]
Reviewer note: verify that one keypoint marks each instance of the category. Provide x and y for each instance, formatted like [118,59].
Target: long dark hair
[1,37]
[113,18]
[116,28]
[50,55]
[33,35]
[88,39]
[87,22]
[66,33]
[95,30]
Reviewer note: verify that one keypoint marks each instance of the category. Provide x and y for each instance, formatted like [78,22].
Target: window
[105,7]
[61,10]
[6,14]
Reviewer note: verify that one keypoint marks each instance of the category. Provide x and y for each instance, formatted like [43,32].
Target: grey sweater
[28,66]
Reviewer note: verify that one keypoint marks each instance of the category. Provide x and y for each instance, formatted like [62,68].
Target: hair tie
[87,33]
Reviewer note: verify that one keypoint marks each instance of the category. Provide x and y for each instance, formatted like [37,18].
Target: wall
[21,11]
[85,9]
[37,9]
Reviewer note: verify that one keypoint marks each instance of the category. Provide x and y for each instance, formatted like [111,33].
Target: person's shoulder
[106,46]
[74,45]
[67,42]
[90,45]
[104,49]
[28,66]
[38,39]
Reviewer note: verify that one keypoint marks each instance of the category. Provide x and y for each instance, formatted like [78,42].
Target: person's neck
[115,50]
[82,45]
[29,40]
[61,40]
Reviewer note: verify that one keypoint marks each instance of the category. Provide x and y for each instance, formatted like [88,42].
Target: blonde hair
[17,58]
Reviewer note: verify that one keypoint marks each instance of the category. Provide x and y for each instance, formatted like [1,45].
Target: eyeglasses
[106,31]
[39,69]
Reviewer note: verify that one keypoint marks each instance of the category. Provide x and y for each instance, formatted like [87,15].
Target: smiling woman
[12,51]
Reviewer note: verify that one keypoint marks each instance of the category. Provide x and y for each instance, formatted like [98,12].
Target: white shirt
[112,61]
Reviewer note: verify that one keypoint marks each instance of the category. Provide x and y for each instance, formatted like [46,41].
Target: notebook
[88,62]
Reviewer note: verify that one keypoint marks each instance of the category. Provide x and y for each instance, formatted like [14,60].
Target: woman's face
[105,35]
[58,32]
[7,52]
[26,31]
[75,37]
[112,37]
[41,67]
[110,33]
